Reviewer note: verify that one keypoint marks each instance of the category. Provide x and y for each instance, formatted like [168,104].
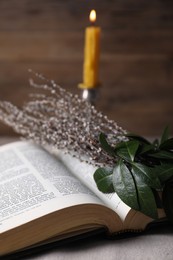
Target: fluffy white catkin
[64,121]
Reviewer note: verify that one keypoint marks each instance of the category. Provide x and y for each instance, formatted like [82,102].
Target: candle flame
[92,16]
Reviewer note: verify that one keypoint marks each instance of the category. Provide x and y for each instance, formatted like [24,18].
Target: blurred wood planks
[136,68]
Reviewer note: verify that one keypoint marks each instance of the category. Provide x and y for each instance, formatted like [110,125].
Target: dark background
[136,68]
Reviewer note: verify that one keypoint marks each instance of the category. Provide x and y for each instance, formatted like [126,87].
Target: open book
[46,197]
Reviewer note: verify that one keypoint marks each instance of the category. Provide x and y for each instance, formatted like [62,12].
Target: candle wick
[92,23]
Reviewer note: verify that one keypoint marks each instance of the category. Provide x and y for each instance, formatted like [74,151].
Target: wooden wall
[136,68]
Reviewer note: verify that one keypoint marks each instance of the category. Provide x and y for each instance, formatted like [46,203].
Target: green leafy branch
[142,171]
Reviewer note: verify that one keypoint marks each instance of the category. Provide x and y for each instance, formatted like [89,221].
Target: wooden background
[136,68]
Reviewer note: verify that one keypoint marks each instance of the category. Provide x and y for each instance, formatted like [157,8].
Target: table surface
[152,244]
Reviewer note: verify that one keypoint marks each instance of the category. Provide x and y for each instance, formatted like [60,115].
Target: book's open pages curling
[46,196]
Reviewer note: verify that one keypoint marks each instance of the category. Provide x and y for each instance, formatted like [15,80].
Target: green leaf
[108,148]
[129,150]
[167,197]
[162,155]
[158,199]
[146,198]
[120,145]
[103,179]
[156,143]
[124,185]
[164,172]
[145,148]
[147,175]
[167,145]
[138,138]
[136,183]
[165,135]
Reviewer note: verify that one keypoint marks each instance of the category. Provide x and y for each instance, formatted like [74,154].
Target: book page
[34,183]
[84,172]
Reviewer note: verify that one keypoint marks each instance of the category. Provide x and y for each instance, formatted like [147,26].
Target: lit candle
[91,55]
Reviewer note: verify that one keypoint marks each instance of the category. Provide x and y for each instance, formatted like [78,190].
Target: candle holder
[90,95]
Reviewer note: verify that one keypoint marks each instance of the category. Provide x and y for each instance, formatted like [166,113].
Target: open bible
[46,197]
